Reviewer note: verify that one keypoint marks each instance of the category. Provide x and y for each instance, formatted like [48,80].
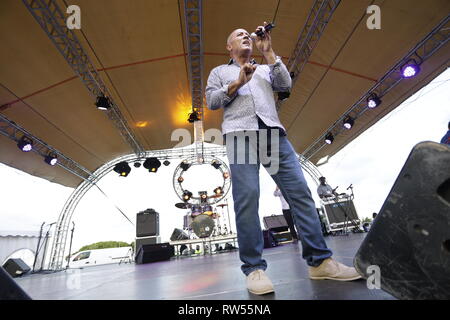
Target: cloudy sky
[371,163]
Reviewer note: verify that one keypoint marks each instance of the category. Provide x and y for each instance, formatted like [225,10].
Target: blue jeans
[293,186]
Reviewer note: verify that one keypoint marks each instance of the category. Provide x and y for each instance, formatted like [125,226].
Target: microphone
[260,33]
[350,186]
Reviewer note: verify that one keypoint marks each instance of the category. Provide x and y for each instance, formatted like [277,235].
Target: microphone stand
[37,248]
[70,246]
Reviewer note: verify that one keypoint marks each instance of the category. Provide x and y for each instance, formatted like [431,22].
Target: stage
[206,277]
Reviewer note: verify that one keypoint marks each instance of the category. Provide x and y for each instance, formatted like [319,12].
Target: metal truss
[435,40]
[52,20]
[319,16]
[63,224]
[14,132]
[194,40]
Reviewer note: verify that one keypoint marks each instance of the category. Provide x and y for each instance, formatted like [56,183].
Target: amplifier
[16,267]
[147,223]
[154,252]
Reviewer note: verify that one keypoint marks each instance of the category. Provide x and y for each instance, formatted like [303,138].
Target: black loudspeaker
[9,289]
[276,223]
[147,223]
[409,240]
[178,234]
[16,267]
[269,240]
[281,237]
[154,252]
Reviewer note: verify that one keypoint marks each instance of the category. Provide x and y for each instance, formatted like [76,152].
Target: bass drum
[203,226]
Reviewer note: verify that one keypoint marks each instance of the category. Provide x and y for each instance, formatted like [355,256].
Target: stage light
[185,165]
[193,117]
[186,195]
[349,122]
[216,164]
[218,191]
[180,179]
[152,164]
[226,175]
[373,101]
[166,162]
[51,159]
[410,69]
[329,138]
[122,168]
[137,164]
[103,103]
[25,144]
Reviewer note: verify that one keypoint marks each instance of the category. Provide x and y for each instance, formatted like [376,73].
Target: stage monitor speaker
[9,289]
[148,240]
[154,252]
[147,223]
[178,234]
[409,240]
[276,223]
[16,267]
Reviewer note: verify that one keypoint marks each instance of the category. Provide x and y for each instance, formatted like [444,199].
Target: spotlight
[349,122]
[410,69]
[373,101]
[180,179]
[193,117]
[185,165]
[25,144]
[329,138]
[122,168]
[51,159]
[166,162]
[137,164]
[218,190]
[283,96]
[152,164]
[226,175]
[103,103]
[216,164]
[186,195]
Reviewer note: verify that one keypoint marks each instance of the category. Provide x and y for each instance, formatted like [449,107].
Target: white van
[101,256]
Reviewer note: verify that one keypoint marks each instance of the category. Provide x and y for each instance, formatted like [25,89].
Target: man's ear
[229,47]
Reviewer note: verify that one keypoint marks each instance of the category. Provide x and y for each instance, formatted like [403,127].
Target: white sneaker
[259,283]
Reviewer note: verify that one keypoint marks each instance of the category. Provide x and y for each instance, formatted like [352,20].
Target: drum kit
[204,220]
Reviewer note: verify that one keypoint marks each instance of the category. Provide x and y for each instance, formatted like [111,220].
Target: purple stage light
[25,144]
[373,101]
[410,69]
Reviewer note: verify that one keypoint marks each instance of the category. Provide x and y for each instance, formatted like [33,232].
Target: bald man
[245,92]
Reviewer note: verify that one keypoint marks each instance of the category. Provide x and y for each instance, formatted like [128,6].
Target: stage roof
[139,47]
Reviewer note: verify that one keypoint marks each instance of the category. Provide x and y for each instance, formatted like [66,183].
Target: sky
[371,163]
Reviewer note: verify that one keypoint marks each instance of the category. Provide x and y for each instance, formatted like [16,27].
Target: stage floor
[216,277]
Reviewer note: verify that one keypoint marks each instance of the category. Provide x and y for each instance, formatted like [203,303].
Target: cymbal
[182,205]
[222,205]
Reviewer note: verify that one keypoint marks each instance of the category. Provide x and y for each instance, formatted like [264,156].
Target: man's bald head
[238,40]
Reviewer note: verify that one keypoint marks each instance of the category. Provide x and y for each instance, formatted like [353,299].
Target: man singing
[245,92]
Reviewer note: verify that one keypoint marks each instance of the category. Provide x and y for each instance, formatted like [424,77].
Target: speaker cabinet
[16,267]
[9,289]
[147,223]
[409,240]
[154,252]
[275,223]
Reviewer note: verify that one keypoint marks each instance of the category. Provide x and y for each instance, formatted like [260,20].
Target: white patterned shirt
[254,99]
